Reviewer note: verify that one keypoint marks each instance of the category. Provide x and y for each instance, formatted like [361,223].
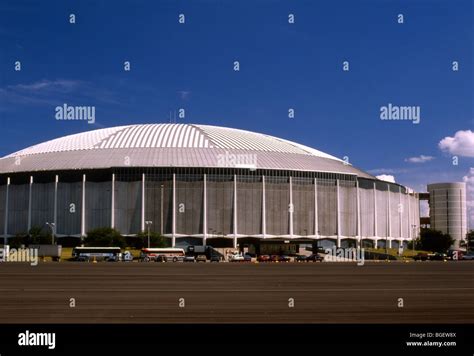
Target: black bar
[339,339]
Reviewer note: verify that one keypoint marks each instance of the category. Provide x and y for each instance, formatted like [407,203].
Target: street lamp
[413,237]
[52,226]
[148,224]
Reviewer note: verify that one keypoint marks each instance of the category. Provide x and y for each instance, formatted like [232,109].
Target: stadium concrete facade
[199,183]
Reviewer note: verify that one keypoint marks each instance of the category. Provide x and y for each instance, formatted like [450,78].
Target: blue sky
[282,66]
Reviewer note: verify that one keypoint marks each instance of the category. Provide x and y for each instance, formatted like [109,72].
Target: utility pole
[414,237]
[148,224]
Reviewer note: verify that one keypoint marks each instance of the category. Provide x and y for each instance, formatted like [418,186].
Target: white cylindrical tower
[448,209]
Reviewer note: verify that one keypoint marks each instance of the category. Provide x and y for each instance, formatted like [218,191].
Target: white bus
[97,253]
[168,254]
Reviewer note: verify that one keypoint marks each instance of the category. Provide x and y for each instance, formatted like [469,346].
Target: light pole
[52,226]
[413,237]
[148,224]
[161,212]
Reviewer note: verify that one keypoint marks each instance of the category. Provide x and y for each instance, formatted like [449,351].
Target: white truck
[235,257]
[53,251]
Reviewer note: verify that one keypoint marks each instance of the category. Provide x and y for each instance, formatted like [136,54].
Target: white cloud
[461,144]
[376,171]
[59,85]
[55,92]
[469,180]
[386,178]
[381,170]
[419,159]
[184,94]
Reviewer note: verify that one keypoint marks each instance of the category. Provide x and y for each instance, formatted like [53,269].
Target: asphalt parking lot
[430,292]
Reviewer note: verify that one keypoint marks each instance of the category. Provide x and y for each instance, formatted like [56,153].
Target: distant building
[448,209]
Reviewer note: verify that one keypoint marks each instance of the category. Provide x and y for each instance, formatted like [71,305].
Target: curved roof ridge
[172,145]
[165,135]
[311,150]
[85,141]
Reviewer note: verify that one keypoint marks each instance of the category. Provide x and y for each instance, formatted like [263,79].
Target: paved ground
[432,292]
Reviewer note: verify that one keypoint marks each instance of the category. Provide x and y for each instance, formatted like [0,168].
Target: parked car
[263,258]
[301,258]
[248,257]
[285,258]
[215,258]
[468,256]
[201,258]
[315,258]
[236,257]
[421,256]
[437,256]
[189,258]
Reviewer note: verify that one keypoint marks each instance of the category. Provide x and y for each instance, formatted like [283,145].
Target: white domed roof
[170,136]
[169,145]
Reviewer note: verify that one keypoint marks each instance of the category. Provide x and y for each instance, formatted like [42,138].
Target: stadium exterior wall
[208,203]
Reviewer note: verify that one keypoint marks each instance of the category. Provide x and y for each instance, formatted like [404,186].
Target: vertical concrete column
[338,214]
[235,211]
[400,211]
[30,196]
[291,207]
[358,229]
[142,222]
[264,209]
[83,207]
[316,226]
[173,216]
[389,216]
[5,228]
[204,223]
[416,216]
[410,222]
[112,204]
[55,208]
[375,211]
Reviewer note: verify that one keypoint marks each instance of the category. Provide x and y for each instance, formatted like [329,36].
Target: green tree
[156,240]
[16,241]
[434,240]
[410,244]
[470,240]
[104,236]
[38,236]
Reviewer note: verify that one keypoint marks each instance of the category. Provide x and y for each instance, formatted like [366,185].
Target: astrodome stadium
[200,184]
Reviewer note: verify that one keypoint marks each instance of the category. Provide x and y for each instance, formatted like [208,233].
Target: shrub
[104,236]
[156,240]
